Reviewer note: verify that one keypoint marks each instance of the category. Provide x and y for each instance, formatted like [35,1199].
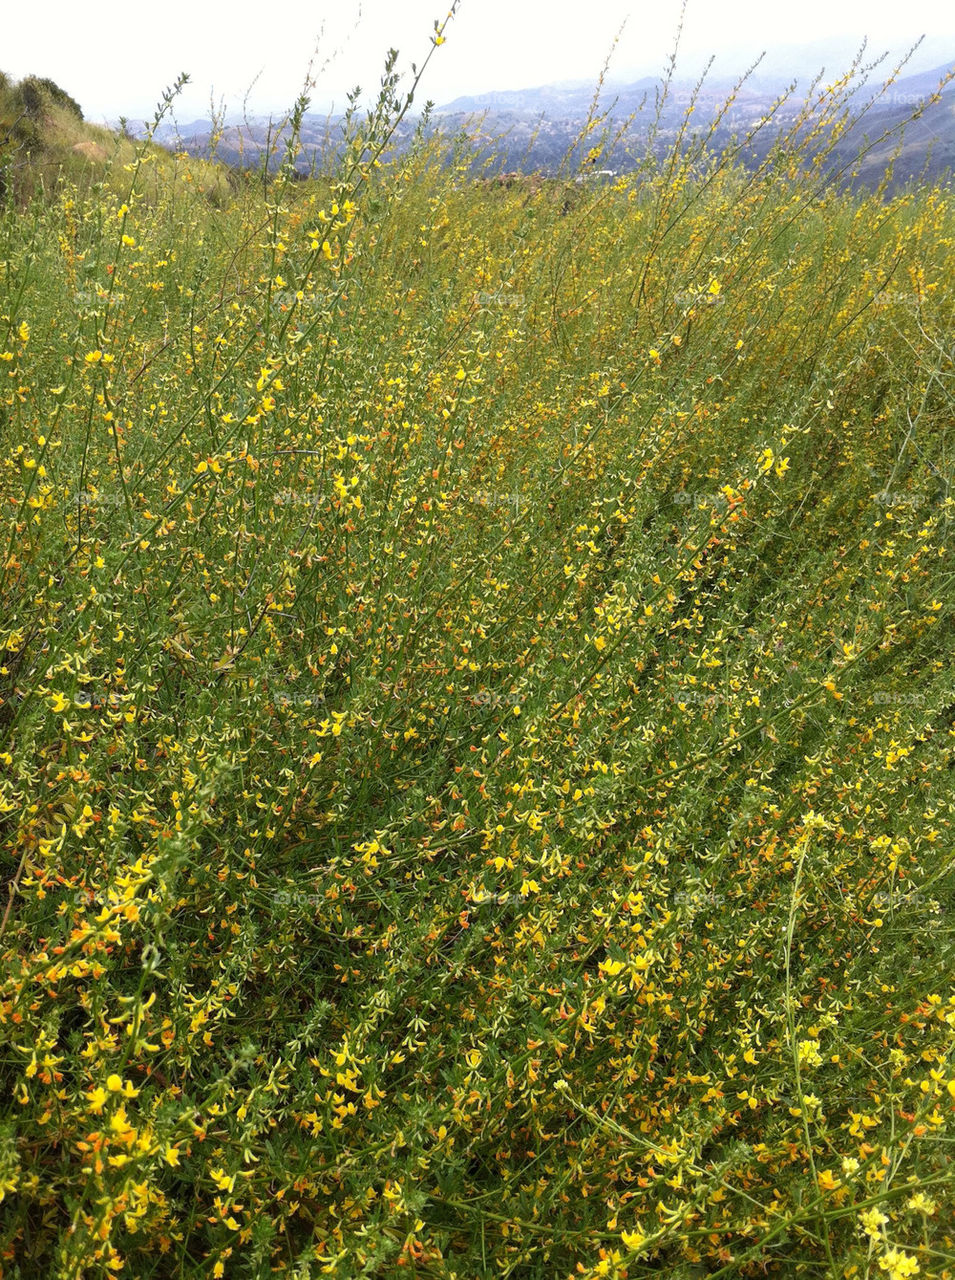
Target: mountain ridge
[538,128]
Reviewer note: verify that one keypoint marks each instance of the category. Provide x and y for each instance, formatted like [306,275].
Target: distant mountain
[621,99]
[552,100]
[537,129]
[926,145]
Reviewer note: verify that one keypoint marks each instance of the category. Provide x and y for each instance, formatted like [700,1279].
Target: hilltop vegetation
[45,145]
[477,722]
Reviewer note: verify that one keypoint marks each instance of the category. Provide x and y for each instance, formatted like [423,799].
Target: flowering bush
[429,848]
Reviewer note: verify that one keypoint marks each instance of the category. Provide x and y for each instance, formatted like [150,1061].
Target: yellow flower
[873,1220]
[809,1053]
[97,1098]
[633,1240]
[115,1084]
[899,1264]
[119,1122]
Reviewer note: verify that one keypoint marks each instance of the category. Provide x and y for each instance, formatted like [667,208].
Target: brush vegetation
[477,720]
[48,149]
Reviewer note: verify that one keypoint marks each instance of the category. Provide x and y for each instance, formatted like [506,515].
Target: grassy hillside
[46,146]
[476,745]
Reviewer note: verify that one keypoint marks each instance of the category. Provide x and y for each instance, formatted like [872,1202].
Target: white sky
[116,60]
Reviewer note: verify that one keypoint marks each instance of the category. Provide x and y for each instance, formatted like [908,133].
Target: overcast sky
[116,60]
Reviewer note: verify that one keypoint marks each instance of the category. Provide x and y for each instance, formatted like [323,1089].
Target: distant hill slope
[44,140]
[535,129]
[928,143]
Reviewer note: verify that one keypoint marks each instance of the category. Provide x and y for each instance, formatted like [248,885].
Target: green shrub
[37,91]
[476,721]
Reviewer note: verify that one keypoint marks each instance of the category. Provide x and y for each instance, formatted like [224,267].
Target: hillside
[477,720]
[45,143]
[540,129]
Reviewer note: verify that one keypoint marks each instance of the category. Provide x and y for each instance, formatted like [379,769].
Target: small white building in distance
[596,175]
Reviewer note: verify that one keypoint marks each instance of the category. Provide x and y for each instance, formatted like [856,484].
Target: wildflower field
[476,737]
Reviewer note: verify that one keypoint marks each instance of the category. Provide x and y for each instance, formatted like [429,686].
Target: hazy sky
[116,60]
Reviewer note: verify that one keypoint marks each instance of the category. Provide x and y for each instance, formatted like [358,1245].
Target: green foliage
[477,724]
[45,144]
[37,92]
